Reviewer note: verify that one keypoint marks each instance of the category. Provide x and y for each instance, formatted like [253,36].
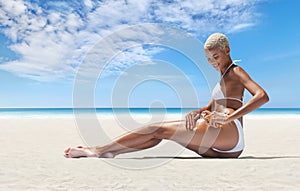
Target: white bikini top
[217,91]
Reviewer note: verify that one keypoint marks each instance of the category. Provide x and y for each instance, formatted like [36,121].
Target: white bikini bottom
[240,145]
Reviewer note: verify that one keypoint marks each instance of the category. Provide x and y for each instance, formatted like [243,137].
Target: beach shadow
[162,157]
[269,157]
[190,158]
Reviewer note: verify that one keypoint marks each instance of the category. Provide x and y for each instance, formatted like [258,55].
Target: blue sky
[43,43]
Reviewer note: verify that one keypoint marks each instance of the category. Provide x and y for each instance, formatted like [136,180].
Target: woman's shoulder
[238,70]
[239,73]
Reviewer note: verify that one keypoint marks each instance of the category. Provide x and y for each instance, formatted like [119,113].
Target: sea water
[110,112]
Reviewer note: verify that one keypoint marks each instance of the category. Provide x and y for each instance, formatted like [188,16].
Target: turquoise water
[35,112]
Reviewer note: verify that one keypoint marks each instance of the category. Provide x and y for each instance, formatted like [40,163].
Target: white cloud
[88,4]
[136,55]
[13,7]
[53,38]
[240,27]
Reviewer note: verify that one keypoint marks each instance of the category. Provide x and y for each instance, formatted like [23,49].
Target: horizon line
[130,108]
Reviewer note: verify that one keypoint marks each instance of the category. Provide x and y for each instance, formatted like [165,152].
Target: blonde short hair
[216,40]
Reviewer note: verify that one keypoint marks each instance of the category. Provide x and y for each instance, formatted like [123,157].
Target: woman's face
[217,57]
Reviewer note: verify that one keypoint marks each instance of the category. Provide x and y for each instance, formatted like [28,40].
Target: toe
[67,150]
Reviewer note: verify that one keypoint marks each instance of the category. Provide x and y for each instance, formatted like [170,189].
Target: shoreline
[135,113]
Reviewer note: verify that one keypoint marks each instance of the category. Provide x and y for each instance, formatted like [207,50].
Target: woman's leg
[85,151]
[116,146]
[175,130]
[146,145]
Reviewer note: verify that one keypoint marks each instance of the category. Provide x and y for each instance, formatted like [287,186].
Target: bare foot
[79,151]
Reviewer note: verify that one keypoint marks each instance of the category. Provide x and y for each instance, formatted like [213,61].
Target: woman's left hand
[217,119]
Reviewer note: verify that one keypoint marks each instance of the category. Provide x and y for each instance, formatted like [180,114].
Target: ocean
[108,112]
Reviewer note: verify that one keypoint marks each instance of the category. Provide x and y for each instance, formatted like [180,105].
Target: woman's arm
[259,95]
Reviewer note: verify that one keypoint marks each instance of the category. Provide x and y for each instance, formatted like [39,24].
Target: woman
[212,131]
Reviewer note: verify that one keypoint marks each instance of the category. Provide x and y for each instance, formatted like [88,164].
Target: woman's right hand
[190,119]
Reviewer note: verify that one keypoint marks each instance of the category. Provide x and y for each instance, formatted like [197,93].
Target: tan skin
[194,133]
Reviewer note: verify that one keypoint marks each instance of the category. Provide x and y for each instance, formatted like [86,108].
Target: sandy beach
[32,159]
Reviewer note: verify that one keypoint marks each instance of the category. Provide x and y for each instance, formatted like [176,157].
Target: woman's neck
[225,67]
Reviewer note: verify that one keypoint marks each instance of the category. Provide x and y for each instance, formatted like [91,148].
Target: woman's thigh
[201,140]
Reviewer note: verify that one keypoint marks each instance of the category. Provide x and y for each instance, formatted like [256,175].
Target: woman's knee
[162,130]
[158,130]
[153,128]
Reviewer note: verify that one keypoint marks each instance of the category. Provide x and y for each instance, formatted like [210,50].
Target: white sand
[31,158]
